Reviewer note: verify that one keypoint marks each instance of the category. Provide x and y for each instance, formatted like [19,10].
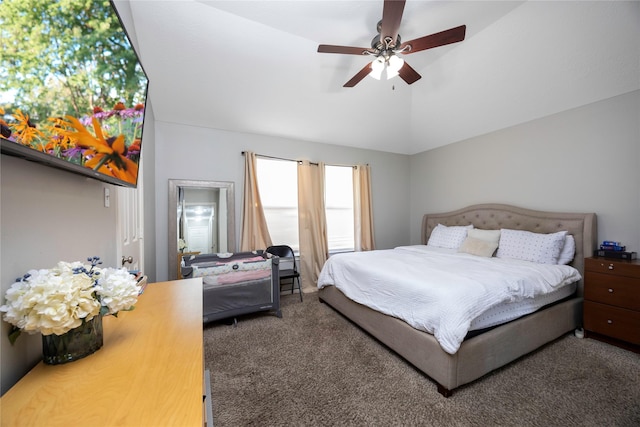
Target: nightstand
[612,301]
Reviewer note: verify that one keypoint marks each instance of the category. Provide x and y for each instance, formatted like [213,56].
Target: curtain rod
[278,158]
[292,160]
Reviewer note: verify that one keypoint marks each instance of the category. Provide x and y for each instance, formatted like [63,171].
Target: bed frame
[501,345]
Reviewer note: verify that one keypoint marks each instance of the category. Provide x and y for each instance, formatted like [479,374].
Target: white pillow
[448,237]
[492,236]
[568,250]
[478,247]
[528,246]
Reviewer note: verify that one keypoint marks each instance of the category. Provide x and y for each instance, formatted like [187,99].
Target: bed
[492,347]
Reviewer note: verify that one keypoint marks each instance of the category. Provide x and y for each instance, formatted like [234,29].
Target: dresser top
[148,372]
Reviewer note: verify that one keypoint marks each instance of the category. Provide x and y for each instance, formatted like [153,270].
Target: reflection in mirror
[201,219]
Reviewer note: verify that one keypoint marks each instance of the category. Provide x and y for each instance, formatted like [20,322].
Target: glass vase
[80,342]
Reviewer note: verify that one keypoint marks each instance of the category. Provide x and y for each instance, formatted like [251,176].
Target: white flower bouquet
[60,299]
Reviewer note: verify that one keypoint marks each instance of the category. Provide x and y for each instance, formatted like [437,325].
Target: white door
[130,226]
[201,227]
[199,238]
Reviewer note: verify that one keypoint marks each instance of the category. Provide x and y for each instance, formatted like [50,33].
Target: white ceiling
[252,66]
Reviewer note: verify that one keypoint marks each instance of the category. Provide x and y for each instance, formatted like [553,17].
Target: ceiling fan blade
[348,50]
[359,76]
[391,17]
[408,74]
[442,38]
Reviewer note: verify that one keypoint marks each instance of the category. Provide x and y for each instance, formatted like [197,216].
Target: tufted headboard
[494,216]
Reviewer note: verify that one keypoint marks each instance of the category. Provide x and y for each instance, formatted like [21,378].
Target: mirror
[201,219]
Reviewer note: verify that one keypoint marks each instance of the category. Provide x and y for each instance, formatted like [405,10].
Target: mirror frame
[174,185]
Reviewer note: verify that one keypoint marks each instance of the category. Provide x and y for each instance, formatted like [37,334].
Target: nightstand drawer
[611,321]
[613,267]
[614,290]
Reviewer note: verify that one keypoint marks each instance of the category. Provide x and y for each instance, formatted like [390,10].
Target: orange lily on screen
[59,140]
[106,155]
[25,132]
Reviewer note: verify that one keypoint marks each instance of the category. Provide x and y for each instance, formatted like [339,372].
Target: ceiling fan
[386,46]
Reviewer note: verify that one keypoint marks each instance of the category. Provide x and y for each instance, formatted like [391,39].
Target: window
[339,207]
[278,184]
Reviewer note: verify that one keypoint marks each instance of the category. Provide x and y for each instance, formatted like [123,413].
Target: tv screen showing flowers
[72,90]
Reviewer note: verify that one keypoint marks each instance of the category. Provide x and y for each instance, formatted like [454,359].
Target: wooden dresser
[612,301]
[149,371]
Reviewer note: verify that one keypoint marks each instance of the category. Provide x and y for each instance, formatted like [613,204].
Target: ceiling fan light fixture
[377,66]
[395,63]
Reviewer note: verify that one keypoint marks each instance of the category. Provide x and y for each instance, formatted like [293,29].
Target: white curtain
[362,207]
[255,234]
[312,223]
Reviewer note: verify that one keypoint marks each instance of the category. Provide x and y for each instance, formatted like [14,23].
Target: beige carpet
[314,367]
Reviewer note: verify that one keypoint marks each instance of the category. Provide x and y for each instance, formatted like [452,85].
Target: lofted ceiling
[253,67]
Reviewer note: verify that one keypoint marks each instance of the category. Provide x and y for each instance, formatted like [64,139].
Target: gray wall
[187,152]
[47,216]
[582,160]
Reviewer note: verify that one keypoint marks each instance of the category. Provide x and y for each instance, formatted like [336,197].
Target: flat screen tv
[72,89]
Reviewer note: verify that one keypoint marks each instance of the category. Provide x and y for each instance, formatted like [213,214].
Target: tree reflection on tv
[71,87]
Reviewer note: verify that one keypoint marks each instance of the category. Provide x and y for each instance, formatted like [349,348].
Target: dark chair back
[285,252]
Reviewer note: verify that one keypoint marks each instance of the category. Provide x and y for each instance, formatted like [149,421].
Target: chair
[285,253]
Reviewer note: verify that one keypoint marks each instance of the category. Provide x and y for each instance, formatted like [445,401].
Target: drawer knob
[610,266]
[610,290]
[610,321]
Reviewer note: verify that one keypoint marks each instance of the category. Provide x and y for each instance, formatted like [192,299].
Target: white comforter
[439,292]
